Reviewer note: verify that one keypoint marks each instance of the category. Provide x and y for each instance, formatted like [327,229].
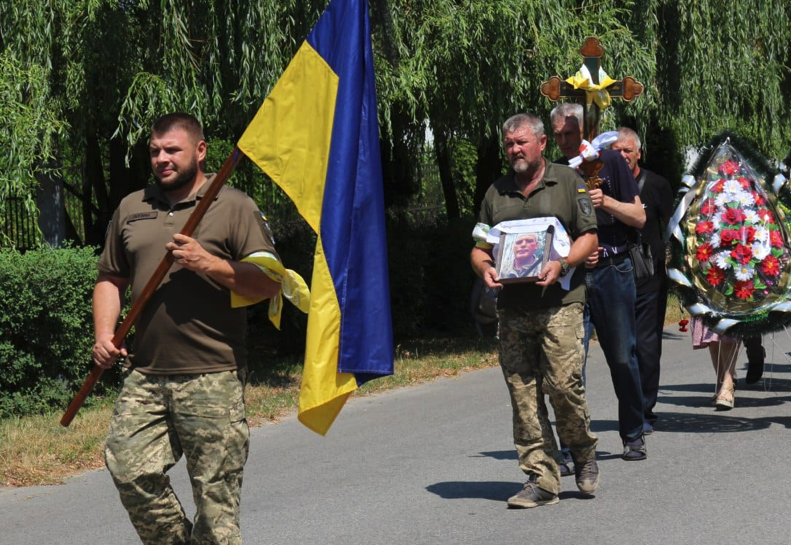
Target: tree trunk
[442,150]
[487,169]
[51,208]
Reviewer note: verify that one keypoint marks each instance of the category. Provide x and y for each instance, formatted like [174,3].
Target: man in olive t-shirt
[183,389]
[541,323]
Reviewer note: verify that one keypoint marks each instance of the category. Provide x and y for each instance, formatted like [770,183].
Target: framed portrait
[521,256]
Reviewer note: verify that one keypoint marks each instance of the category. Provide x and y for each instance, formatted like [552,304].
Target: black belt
[616,259]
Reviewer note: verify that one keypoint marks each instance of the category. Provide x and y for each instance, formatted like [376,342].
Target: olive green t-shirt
[188,325]
[562,194]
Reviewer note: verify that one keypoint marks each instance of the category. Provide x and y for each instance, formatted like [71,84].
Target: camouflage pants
[541,353]
[156,420]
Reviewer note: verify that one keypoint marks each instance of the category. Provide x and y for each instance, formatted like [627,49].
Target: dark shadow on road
[704,401]
[511,455]
[687,388]
[598,426]
[571,495]
[485,490]
[716,422]
[497,455]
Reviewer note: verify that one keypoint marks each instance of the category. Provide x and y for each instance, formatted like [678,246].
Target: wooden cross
[592,52]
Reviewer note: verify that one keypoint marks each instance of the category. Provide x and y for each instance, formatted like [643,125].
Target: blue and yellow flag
[317,137]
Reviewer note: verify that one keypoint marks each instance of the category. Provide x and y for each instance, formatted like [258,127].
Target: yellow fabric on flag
[289,139]
[324,390]
[278,141]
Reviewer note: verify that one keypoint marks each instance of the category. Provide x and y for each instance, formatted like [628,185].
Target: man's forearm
[582,247]
[244,278]
[630,213]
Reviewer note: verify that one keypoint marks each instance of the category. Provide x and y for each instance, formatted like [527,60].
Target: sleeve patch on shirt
[585,206]
[580,189]
[265,226]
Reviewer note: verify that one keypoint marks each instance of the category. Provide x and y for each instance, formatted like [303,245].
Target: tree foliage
[87,77]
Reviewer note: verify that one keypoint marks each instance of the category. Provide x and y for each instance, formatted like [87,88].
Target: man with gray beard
[541,329]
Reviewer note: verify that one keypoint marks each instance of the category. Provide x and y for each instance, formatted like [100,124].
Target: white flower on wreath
[743,272]
[722,199]
[745,199]
[733,187]
[751,216]
[761,251]
[761,234]
[715,240]
[721,260]
[716,222]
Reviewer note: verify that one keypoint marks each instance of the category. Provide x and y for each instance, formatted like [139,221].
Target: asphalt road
[434,464]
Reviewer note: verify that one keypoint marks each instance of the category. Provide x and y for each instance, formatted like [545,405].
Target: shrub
[46,328]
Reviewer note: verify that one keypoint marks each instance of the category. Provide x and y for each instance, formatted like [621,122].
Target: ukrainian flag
[317,137]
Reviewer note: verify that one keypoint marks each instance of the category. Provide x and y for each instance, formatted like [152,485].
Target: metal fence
[19,227]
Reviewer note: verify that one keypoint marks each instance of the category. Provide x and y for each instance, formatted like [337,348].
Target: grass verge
[38,450]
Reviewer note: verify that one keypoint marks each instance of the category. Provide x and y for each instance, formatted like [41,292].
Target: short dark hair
[178,120]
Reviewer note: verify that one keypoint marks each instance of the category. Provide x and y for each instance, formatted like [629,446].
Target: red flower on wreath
[729,236]
[732,216]
[747,234]
[745,183]
[729,167]
[759,199]
[704,228]
[742,254]
[766,216]
[715,276]
[744,289]
[704,252]
[770,266]
[776,239]
[709,207]
[719,186]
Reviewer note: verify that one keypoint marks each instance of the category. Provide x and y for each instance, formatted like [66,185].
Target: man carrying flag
[183,389]
[316,136]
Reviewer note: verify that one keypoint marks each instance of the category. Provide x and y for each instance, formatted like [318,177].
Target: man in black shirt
[651,303]
[609,275]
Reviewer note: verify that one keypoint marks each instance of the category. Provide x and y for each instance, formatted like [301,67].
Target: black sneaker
[587,474]
[635,450]
[532,495]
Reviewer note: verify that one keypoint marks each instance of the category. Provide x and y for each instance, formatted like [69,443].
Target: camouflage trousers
[156,420]
[541,353]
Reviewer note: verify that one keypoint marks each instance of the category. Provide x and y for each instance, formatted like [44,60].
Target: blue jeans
[611,307]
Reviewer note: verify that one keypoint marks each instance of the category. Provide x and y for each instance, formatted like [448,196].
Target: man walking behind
[651,302]
[610,276]
[541,329]
[184,383]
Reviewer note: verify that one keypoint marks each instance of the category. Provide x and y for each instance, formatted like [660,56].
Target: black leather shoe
[756,355]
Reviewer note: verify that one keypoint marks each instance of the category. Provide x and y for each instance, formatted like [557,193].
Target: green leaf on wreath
[728,289]
[759,285]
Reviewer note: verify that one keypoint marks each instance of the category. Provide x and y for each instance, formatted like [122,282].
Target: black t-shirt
[657,198]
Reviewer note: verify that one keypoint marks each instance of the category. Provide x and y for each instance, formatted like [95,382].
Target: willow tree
[105,69]
[724,65]
[464,66]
